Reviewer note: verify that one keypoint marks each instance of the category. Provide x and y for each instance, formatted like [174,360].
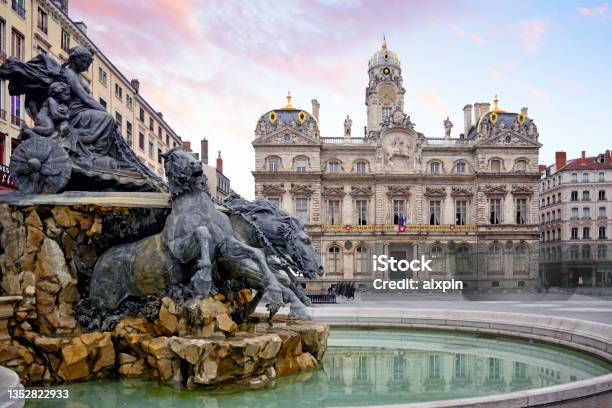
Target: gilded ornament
[272,117]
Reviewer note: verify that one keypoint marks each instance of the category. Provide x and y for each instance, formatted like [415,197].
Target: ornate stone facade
[469,202]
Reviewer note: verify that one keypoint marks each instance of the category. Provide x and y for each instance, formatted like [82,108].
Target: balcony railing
[343,140]
[440,141]
[586,218]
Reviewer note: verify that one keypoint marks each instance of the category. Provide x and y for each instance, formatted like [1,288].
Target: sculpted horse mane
[196,241]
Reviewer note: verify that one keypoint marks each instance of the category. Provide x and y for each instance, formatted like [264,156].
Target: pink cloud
[477,39]
[458,30]
[530,34]
[532,89]
[497,74]
[431,100]
[595,11]
[213,67]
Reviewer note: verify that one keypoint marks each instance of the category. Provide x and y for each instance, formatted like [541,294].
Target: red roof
[588,163]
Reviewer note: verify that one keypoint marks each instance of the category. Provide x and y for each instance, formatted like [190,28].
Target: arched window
[495,258]
[362,260]
[333,166]
[463,259]
[435,167]
[496,166]
[521,166]
[460,167]
[521,258]
[333,260]
[273,164]
[361,167]
[301,164]
[437,257]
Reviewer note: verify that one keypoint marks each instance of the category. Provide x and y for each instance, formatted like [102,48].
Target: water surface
[372,367]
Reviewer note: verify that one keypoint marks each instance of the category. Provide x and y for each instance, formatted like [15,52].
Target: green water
[373,367]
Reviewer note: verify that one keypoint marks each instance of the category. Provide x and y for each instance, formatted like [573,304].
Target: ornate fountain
[119,273]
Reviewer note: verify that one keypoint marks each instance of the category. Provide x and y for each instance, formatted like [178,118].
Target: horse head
[184,172]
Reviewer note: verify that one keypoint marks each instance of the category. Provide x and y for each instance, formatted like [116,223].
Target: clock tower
[384,93]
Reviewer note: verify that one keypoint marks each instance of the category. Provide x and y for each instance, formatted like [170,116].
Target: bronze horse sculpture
[196,241]
[194,235]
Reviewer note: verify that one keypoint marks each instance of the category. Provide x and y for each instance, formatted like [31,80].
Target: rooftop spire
[289,106]
[384,42]
[496,102]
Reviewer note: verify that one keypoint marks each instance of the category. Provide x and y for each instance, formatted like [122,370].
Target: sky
[214,67]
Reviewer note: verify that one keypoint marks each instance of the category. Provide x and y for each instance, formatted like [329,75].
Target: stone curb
[591,337]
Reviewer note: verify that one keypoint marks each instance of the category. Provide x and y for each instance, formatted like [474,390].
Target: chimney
[219,163]
[204,150]
[315,109]
[81,26]
[161,115]
[135,84]
[476,112]
[484,108]
[583,155]
[608,155]
[560,159]
[542,168]
[467,119]
[524,111]
[186,146]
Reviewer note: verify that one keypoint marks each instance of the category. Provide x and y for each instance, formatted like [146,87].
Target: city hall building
[469,203]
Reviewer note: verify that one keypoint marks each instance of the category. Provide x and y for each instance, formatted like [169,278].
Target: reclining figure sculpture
[197,248]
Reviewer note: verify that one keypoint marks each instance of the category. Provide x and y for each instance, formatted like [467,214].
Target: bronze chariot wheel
[40,166]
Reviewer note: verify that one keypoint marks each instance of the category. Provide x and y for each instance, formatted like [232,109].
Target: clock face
[386,94]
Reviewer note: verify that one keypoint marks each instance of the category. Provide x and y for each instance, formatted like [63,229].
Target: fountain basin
[376,367]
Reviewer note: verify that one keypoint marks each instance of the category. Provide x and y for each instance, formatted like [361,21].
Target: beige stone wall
[37,41]
[477,179]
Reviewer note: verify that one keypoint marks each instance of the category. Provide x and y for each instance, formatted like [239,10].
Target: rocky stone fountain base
[49,246]
[170,351]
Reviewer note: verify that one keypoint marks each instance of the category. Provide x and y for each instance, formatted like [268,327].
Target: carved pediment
[435,191]
[398,191]
[273,189]
[301,189]
[521,189]
[461,192]
[508,137]
[286,136]
[494,189]
[361,191]
[333,191]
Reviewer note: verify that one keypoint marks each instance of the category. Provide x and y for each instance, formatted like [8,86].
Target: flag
[401,222]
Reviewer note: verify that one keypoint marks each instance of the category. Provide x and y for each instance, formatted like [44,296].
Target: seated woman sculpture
[58,96]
